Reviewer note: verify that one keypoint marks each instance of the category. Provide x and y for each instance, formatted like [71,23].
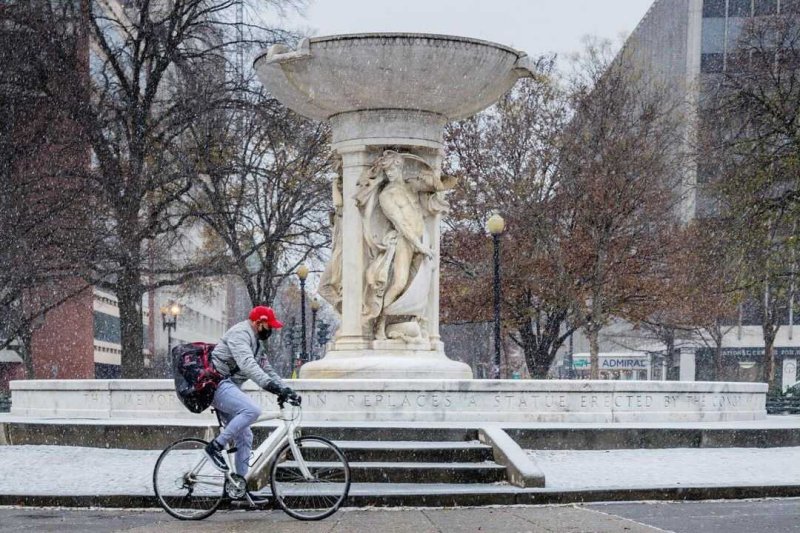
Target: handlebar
[295,400]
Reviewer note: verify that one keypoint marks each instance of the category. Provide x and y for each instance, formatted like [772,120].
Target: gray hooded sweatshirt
[235,358]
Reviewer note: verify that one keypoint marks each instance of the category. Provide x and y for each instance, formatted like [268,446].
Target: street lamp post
[169,321]
[495,226]
[302,273]
[315,305]
[323,334]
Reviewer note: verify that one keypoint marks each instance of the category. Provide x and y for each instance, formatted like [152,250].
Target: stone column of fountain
[388,98]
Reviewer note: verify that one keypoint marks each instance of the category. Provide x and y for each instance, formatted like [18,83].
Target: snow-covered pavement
[670,467]
[67,470]
[63,470]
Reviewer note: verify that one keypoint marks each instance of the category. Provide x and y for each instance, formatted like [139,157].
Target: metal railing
[5,403]
[783,405]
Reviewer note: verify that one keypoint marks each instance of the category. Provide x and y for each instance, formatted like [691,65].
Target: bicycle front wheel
[187,486]
[316,496]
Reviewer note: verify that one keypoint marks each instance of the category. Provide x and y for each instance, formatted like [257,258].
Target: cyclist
[235,358]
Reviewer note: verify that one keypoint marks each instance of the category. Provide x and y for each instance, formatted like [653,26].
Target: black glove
[287,393]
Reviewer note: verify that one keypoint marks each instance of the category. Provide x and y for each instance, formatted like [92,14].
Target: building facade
[684,44]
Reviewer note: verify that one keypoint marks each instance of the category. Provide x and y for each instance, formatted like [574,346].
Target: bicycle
[309,476]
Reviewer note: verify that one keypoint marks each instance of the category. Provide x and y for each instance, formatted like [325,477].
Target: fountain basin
[390,85]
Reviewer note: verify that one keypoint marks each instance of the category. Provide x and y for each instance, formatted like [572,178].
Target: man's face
[263,330]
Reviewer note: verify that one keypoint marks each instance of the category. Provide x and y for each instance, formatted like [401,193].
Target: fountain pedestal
[388,98]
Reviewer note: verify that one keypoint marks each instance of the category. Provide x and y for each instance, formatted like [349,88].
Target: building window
[106,328]
[765,7]
[103,371]
[711,63]
[713,36]
[713,8]
[790,6]
[735,28]
[739,8]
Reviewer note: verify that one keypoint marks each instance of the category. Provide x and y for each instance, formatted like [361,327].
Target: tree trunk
[769,357]
[129,295]
[540,348]
[25,351]
[718,368]
[717,335]
[594,351]
[669,344]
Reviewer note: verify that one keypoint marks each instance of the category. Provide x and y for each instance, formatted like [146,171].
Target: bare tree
[751,124]
[156,68]
[265,191]
[622,160]
[507,160]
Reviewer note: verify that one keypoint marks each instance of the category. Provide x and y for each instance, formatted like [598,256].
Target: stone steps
[394,433]
[453,473]
[413,454]
[411,451]
[423,473]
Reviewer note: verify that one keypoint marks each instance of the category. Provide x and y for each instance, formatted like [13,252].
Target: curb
[461,499]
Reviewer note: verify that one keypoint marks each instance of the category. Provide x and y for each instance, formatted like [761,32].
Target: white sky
[534,26]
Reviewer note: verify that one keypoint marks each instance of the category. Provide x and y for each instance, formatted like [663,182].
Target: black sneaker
[214,453]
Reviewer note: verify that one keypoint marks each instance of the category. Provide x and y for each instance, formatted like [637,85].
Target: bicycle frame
[266,451]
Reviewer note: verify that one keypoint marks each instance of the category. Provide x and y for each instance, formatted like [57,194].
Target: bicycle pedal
[232,450]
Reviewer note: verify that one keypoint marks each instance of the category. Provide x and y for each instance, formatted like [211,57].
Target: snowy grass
[65,470]
[671,467]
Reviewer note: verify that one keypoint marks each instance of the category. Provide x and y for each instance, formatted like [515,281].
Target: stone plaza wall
[417,400]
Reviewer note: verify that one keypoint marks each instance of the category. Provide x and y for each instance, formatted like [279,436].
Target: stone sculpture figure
[395,195]
[330,284]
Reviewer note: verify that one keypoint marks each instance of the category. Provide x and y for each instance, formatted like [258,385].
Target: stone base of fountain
[385,364]
[418,400]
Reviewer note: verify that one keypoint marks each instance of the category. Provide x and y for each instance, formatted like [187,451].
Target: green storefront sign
[750,353]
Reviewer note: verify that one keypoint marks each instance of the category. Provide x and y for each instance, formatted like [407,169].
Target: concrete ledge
[423,400]
[605,438]
[143,434]
[439,497]
[520,468]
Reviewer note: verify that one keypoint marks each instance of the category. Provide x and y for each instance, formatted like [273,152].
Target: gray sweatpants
[238,412]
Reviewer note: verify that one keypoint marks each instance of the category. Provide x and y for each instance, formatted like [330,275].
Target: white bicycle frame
[266,451]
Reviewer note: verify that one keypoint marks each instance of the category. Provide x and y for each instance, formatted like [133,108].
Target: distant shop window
[711,63]
[106,328]
[713,8]
[103,371]
[739,8]
[735,28]
[765,7]
[790,6]
[713,40]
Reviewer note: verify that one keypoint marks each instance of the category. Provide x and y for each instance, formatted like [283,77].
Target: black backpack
[196,379]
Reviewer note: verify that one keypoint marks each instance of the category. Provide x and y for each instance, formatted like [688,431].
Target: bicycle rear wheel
[321,495]
[187,486]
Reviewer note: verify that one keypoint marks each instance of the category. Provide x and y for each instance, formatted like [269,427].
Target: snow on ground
[65,470]
[670,467]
